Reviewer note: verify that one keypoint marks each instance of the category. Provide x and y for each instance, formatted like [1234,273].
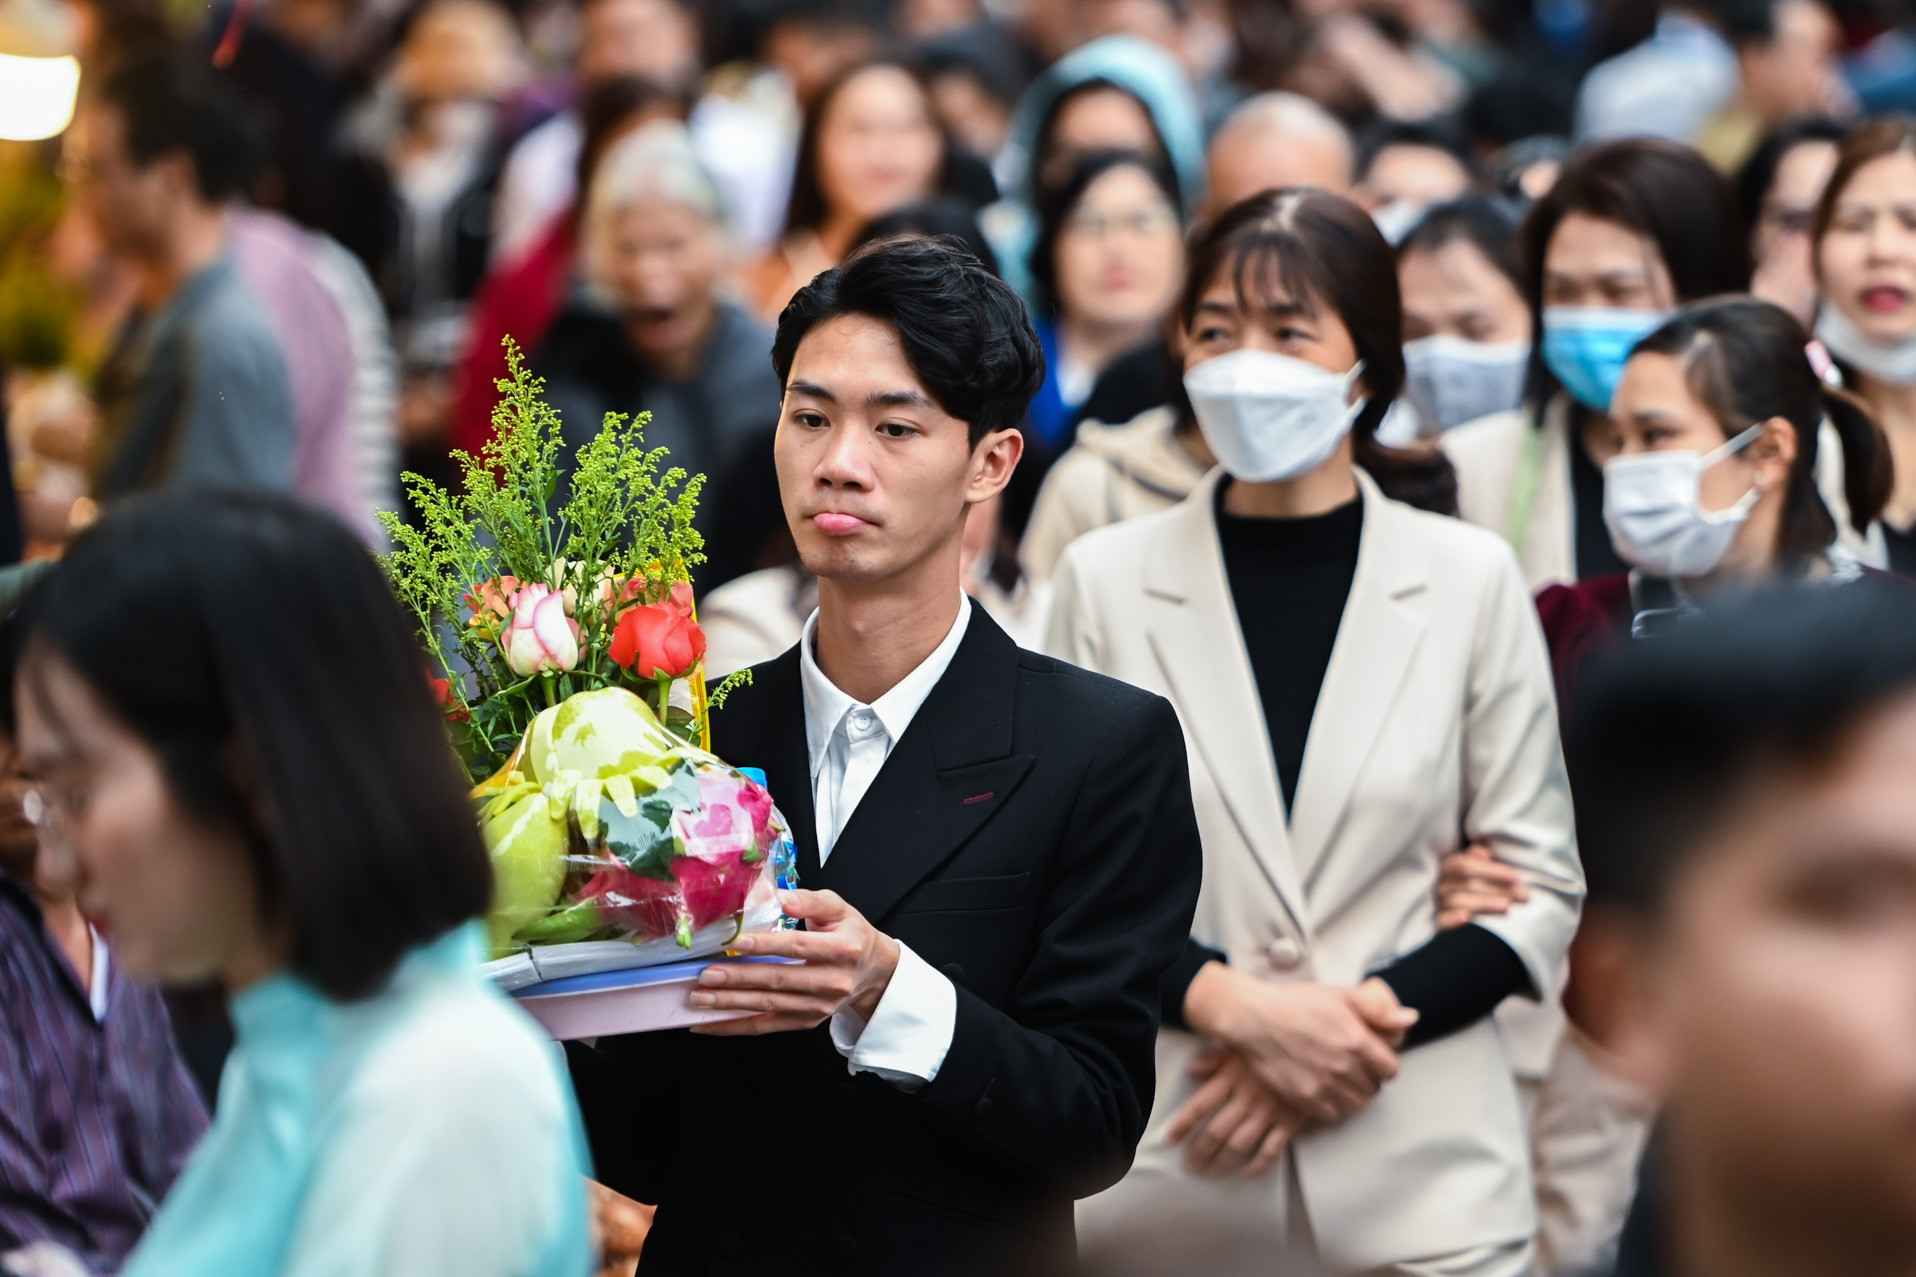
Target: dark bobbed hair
[942,215]
[271,632]
[1758,174]
[1670,732]
[965,332]
[1744,360]
[169,105]
[1664,192]
[806,209]
[1046,144]
[1322,250]
[1489,223]
[1055,208]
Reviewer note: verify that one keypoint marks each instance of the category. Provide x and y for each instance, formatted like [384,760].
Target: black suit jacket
[1032,836]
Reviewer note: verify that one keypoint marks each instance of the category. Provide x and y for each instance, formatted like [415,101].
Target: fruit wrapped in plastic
[604,826]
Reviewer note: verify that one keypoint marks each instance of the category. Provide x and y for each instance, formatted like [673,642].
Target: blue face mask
[1585,347]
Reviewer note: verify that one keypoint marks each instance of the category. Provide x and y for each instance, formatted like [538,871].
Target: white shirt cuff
[910,1030]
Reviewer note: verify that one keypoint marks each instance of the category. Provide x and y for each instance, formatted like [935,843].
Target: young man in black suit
[999,852]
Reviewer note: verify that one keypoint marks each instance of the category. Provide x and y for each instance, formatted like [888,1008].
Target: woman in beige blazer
[1364,690]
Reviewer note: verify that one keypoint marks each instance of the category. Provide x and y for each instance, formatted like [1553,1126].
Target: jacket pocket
[964,895]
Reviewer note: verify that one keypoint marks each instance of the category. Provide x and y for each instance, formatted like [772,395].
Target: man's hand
[1241,1124]
[618,1226]
[1472,882]
[1307,1042]
[844,963]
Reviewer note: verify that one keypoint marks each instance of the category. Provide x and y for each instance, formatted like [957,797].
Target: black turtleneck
[1290,580]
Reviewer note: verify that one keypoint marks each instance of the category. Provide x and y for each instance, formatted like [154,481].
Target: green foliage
[622,537]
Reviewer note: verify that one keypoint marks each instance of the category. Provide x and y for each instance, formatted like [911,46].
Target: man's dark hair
[353,807]
[965,333]
[1671,730]
[170,104]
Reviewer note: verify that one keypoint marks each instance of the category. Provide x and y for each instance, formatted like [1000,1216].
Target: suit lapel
[1192,626]
[1375,643]
[951,772]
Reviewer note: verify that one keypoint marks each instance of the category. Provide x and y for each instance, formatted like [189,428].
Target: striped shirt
[97,1115]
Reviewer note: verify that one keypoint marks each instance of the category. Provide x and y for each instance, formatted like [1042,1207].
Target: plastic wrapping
[617,844]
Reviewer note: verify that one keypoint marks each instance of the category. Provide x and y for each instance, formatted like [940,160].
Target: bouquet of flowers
[569,661]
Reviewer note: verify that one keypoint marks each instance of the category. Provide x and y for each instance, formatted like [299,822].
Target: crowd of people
[1471,443]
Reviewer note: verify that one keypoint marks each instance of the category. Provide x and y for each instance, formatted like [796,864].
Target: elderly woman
[649,330]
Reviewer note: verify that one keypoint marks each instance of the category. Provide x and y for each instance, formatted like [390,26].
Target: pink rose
[540,637]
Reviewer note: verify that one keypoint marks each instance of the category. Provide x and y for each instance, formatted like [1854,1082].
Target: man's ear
[992,464]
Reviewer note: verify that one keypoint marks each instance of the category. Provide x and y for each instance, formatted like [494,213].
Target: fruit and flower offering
[568,657]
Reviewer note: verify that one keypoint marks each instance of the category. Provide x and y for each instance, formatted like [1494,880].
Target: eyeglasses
[1138,223]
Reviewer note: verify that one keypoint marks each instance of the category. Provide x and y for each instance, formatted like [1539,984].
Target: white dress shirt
[847,743]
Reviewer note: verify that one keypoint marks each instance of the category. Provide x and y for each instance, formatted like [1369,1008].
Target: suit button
[954,972]
[982,1109]
[728,1245]
[842,1249]
[1285,954]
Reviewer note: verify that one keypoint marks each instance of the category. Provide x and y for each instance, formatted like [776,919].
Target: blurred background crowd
[632,189]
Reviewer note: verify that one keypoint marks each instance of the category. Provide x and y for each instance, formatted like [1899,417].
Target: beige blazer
[1491,454]
[1436,724]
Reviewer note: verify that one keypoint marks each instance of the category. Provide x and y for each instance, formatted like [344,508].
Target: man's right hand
[1310,1043]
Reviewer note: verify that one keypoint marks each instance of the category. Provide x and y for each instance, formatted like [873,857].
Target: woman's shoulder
[1486,439]
[1120,547]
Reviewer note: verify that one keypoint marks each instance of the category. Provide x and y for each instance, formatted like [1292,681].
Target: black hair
[1745,360]
[170,104]
[280,641]
[1489,223]
[965,332]
[1055,207]
[806,210]
[942,215]
[1321,249]
[1664,192]
[1758,174]
[1433,135]
[1042,150]
[1670,731]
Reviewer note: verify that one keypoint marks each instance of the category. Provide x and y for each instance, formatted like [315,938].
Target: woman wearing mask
[1466,327]
[871,144]
[1118,93]
[1108,265]
[260,795]
[1865,244]
[1365,689]
[1631,230]
[1719,417]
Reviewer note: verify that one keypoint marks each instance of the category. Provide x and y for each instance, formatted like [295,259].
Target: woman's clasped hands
[1283,1055]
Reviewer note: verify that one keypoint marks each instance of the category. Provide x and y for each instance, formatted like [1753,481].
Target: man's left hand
[844,963]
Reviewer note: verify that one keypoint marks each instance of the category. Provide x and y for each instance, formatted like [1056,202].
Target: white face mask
[1653,506]
[1269,417]
[1893,364]
[1451,380]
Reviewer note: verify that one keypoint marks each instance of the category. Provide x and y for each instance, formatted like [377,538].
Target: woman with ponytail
[1364,690]
[1720,419]
[1864,238]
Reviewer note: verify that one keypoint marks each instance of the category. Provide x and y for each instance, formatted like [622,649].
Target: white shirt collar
[826,707]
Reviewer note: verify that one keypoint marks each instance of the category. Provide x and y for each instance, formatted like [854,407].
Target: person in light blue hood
[1075,108]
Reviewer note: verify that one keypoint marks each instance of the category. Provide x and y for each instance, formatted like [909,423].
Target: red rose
[660,640]
[442,692]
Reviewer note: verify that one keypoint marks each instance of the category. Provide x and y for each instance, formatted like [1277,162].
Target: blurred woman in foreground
[259,794]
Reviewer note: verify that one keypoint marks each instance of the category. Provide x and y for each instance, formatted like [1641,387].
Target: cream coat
[1436,725]
[1111,473]
[1489,454]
